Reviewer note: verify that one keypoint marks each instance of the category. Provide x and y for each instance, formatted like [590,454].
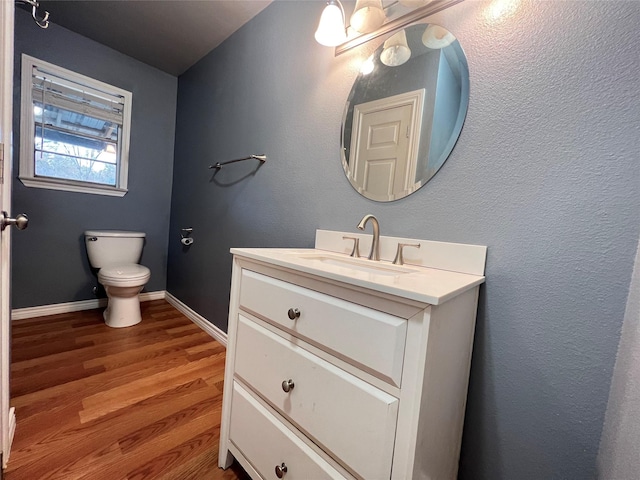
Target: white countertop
[422,284]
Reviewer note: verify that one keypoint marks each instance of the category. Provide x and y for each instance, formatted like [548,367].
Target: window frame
[27,133]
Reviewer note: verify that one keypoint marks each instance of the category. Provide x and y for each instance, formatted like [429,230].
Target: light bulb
[331,31]
[368,66]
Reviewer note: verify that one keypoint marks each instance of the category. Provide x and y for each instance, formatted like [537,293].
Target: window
[74,131]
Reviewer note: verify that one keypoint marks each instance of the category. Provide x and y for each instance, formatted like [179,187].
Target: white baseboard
[198,319]
[56,308]
[41,311]
[148,296]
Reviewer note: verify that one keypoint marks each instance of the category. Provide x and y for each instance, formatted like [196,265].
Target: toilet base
[123,309]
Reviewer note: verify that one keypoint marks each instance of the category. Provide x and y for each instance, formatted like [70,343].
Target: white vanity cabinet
[329,375]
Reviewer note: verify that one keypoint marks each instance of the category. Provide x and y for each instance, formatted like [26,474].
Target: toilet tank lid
[113,233]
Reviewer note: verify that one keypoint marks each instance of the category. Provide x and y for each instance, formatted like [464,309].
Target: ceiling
[171,35]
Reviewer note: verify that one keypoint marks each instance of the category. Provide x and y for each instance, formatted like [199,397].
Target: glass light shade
[396,51]
[331,31]
[414,3]
[367,16]
[436,37]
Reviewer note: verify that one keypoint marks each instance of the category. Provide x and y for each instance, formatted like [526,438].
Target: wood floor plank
[61,394]
[90,351]
[168,460]
[52,377]
[192,469]
[43,350]
[132,440]
[43,425]
[94,468]
[83,438]
[122,396]
[204,346]
[210,353]
[42,323]
[191,328]
[116,335]
[112,360]
[119,404]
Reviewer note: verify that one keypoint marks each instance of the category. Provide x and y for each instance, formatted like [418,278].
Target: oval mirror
[405,112]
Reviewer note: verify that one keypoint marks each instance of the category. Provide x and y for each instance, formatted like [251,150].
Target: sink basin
[367,266]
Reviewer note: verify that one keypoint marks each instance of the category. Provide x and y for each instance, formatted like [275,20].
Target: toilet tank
[113,247]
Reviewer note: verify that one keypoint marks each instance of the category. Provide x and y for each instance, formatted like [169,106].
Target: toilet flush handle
[92,239]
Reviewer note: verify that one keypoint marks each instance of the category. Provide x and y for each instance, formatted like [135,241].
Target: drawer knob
[288,385]
[293,313]
[281,470]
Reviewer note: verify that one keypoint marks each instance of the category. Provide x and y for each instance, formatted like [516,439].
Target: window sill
[73,187]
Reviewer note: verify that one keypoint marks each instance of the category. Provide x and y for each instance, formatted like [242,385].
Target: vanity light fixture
[436,37]
[372,19]
[368,15]
[396,50]
[331,30]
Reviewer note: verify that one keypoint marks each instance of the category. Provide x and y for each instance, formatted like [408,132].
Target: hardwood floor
[136,403]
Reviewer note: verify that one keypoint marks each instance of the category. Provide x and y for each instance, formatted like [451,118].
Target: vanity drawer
[334,408]
[367,338]
[267,443]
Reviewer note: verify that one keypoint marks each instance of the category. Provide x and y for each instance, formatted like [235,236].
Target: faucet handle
[355,252]
[399,260]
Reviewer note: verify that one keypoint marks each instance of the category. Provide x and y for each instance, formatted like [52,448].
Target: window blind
[50,89]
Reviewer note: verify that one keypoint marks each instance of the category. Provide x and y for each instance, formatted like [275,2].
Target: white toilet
[117,253]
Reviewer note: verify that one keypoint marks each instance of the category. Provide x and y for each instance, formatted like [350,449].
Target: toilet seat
[124,275]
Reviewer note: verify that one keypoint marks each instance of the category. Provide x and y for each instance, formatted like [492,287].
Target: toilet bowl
[116,254]
[123,283]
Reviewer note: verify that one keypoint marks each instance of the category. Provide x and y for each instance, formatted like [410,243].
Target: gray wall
[49,258]
[546,173]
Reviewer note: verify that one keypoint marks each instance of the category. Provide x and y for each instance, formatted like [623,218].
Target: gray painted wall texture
[546,173]
[50,264]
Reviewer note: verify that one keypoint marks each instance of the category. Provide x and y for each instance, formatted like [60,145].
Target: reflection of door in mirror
[384,145]
[437,65]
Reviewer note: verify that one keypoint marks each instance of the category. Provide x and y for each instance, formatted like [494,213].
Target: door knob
[21,221]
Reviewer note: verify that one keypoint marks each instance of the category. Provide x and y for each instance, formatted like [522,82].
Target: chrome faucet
[375,244]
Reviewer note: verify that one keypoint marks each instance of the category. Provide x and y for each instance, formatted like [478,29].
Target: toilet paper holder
[185,239]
